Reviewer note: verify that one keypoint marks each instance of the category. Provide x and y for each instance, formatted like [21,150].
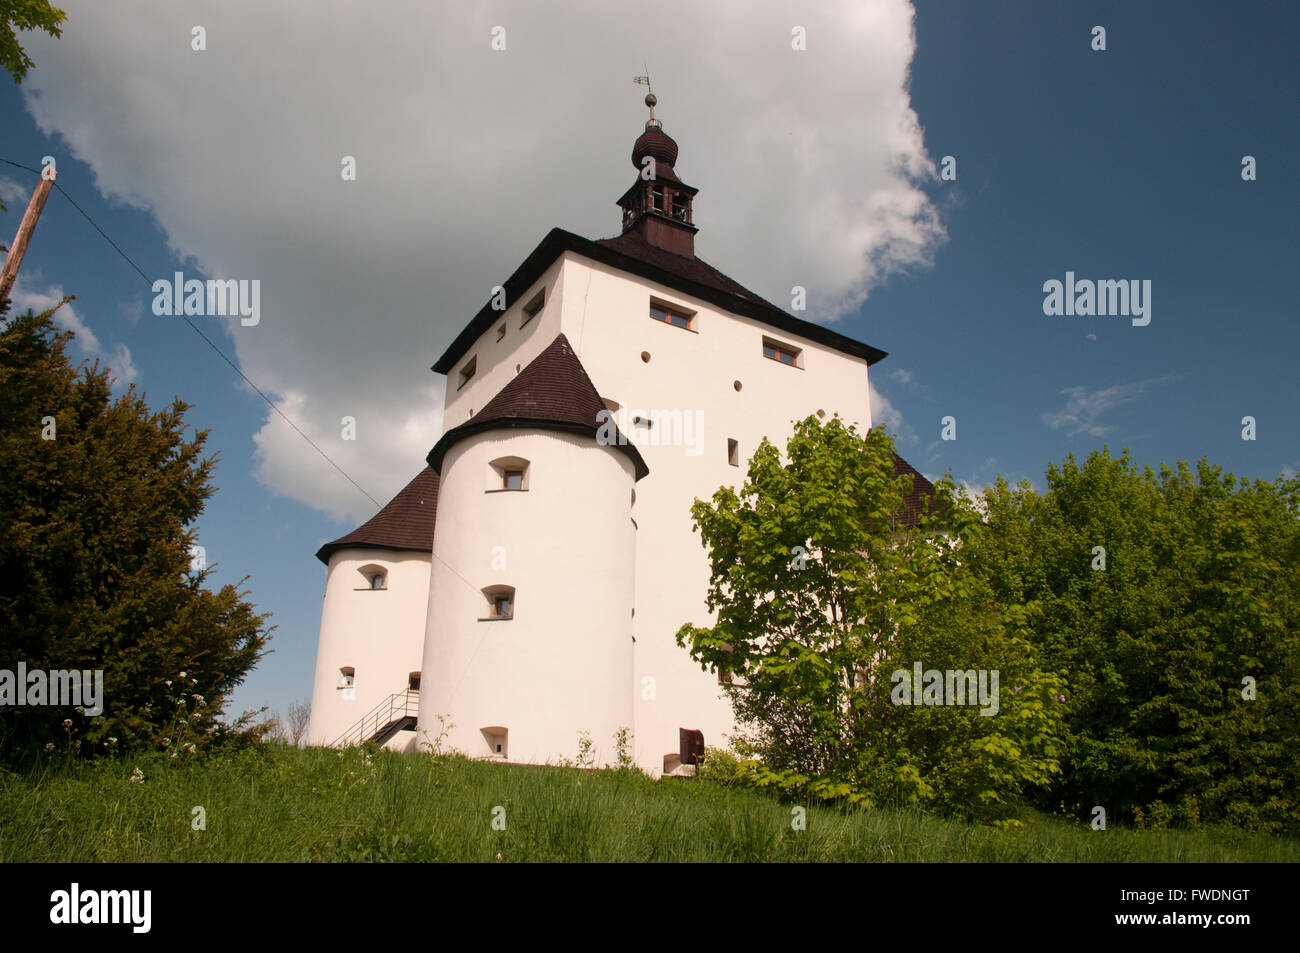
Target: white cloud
[808,166]
[14,194]
[883,412]
[117,358]
[1084,406]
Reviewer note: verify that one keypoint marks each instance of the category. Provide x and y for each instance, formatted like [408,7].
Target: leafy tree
[1160,594]
[96,514]
[24,15]
[822,593]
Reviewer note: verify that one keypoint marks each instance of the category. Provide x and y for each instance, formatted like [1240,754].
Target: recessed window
[413,682]
[671,314]
[733,452]
[347,677]
[533,307]
[500,602]
[375,576]
[501,332]
[497,739]
[781,352]
[467,372]
[507,473]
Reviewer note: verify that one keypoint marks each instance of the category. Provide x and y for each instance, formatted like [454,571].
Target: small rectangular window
[514,480]
[502,606]
[534,307]
[670,314]
[733,452]
[501,332]
[784,353]
[467,372]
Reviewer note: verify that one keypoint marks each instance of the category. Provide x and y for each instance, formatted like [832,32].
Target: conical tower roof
[405,524]
[552,393]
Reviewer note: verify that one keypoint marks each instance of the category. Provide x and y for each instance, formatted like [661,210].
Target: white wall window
[733,452]
[784,353]
[375,576]
[498,741]
[675,315]
[347,686]
[467,372]
[500,603]
[533,308]
[508,473]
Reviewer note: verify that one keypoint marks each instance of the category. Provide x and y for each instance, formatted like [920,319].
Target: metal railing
[400,705]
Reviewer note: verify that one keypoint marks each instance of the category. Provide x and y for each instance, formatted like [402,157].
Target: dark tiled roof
[405,524]
[631,253]
[635,246]
[912,501]
[553,392]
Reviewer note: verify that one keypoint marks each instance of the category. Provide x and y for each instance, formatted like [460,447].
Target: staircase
[395,713]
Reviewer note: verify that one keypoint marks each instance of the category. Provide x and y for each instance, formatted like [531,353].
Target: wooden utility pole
[25,229]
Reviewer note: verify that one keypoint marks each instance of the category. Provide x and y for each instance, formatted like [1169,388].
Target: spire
[658,205]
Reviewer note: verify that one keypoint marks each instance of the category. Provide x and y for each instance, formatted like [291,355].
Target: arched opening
[508,473]
[500,603]
[498,741]
[375,576]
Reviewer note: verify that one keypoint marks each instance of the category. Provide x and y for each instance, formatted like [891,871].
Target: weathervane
[650,98]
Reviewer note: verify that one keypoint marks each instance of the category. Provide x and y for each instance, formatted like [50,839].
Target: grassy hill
[278,803]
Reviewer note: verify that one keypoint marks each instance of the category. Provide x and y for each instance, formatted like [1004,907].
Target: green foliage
[279,803]
[95,533]
[24,15]
[1199,591]
[821,593]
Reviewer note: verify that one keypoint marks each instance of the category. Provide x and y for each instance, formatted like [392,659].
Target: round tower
[372,624]
[529,636]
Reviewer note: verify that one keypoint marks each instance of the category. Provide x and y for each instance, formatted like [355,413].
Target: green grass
[281,804]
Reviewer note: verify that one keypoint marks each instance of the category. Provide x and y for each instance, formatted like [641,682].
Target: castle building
[527,586]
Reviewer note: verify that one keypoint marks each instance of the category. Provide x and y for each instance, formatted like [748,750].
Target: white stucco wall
[380,633]
[563,663]
[497,362]
[567,661]
[692,371]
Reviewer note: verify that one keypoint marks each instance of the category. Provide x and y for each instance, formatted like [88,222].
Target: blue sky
[1122,164]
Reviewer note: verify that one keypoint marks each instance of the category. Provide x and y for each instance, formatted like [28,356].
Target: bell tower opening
[659,205]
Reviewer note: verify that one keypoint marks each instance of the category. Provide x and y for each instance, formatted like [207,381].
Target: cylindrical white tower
[370,643]
[529,638]
[372,623]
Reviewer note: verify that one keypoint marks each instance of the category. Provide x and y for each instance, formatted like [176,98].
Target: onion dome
[654,142]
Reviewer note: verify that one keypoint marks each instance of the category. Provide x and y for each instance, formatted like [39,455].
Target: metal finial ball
[651,100]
